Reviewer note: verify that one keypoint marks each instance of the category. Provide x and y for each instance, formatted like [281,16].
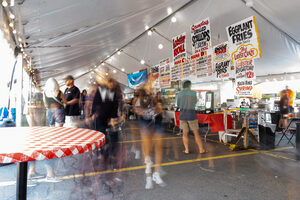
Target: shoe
[137,154]
[162,172]
[148,163]
[35,176]
[132,150]
[52,179]
[157,179]
[149,184]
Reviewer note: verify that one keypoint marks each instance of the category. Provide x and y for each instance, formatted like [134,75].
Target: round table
[22,144]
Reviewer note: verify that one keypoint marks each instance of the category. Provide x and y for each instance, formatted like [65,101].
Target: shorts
[55,116]
[147,127]
[72,121]
[189,125]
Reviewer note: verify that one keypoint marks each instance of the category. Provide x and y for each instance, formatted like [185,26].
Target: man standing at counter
[72,95]
[186,101]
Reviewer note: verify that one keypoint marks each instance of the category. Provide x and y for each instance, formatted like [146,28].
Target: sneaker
[52,179]
[157,179]
[35,176]
[148,163]
[149,184]
[132,150]
[137,154]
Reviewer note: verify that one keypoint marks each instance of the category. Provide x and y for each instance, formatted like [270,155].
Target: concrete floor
[220,174]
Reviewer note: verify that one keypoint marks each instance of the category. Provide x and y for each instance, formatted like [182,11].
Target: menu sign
[204,66]
[176,70]
[188,68]
[222,61]
[165,73]
[154,71]
[179,47]
[244,69]
[201,37]
[244,40]
[244,88]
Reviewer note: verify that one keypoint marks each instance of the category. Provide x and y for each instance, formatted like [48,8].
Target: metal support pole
[21,181]
[298,141]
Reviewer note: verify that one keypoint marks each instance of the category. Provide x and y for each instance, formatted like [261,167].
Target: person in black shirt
[72,96]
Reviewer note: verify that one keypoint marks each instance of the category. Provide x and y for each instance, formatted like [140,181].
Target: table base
[22,181]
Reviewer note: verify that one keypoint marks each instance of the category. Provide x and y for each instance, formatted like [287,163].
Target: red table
[22,144]
[215,121]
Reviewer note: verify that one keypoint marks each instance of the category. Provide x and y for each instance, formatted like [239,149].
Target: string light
[123,70]
[149,33]
[119,53]
[14,32]
[12,16]
[146,27]
[4,3]
[11,24]
[102,64]
[114,71]
[12,2]
[142,62]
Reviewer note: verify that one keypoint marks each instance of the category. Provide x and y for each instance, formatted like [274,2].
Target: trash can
[266,138]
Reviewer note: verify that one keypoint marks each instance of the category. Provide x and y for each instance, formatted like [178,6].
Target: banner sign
[137,78]
[154,71]
[179,47]
[201,37]
[222,61]
[164,73]
[244,88]
[244,40]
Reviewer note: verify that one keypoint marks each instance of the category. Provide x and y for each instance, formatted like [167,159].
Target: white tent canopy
[73,36]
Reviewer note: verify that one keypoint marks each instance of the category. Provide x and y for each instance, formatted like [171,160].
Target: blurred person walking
[149,111]
[186,101]
[54,101]
[72,95]
[83,99]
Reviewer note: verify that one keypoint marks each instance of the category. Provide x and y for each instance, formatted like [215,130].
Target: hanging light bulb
[114,71]
[12,2]
[249,3]
[14,32]
[4,3]
[123,70]
[173,19]
[160,46]
[102,64]
[106,74]
[20,39]
[119,53]
[169,10]
[149,33]
[11,24]
[146,27]
[142,62]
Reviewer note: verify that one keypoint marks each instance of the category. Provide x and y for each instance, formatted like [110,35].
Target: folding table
[22,144]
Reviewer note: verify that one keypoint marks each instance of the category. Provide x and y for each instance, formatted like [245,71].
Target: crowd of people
[102,108]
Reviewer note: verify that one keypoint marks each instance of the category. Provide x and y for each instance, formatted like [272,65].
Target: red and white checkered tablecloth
[21,144]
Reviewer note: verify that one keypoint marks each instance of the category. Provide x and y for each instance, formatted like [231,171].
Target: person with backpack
[54,101]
